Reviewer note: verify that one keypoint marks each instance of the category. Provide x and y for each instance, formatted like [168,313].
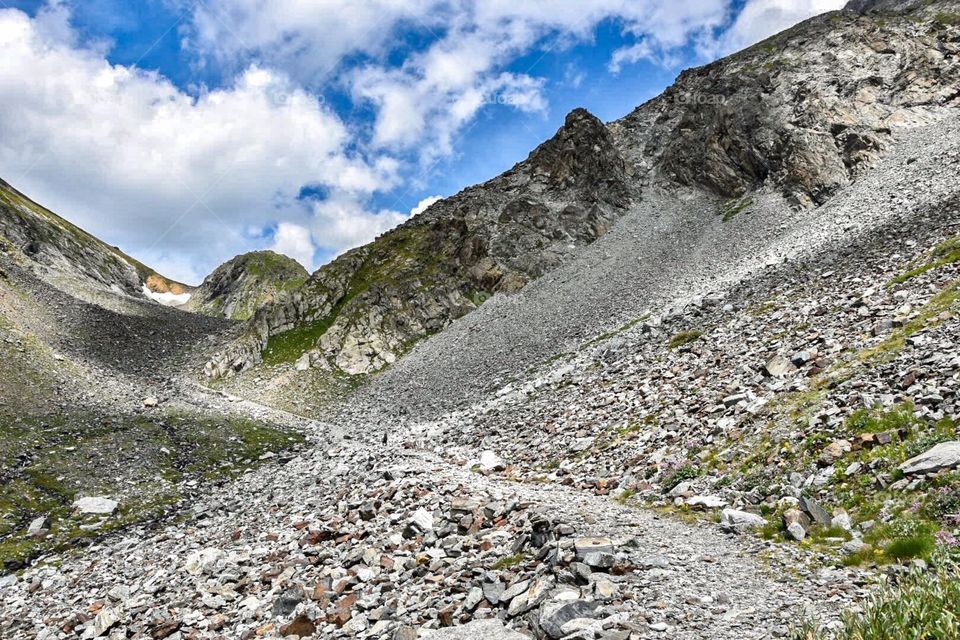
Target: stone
[532,597]
[489,461]
[107,617]
[96,505]
[853,546]
[706,502]
[422,520]
[945,455]
[204,561]
[303,362]
[486,629]
[301,626]
[584,546]
[599,560]
[843,521]
[38,526]
[813,509]
[287,602]
[778,367]
[741,520]
[150,402]
[795,531]
[604,589]
[555,614]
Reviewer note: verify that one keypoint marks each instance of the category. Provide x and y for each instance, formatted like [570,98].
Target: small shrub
[681,474]
[684,338]
[924,606]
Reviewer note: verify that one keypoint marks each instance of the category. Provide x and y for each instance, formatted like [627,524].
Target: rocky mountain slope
[237,288]
[92,416]
[368,307]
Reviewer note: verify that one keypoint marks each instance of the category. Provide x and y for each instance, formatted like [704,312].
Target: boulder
[741,520]
[97,505]
[945,455]
[489,461]
[554,615]
[486,629]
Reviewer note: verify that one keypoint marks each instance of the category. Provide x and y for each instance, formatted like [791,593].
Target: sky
[189,131]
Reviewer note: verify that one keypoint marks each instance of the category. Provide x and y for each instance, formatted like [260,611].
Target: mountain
[72,258]
[715,392]
[237,288]
[801,115]
[368,307]
[91,402]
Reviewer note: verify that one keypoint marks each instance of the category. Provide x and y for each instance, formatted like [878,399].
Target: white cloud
[342,221]
[295,241]
[425,204]
[761,19]
[127,155]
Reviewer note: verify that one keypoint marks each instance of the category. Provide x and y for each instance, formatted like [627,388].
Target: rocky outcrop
[237,288]
[365,309]
[804,112]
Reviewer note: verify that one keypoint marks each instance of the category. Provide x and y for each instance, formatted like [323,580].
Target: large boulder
[945,455]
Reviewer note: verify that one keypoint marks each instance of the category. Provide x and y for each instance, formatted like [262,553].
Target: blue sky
[188,131]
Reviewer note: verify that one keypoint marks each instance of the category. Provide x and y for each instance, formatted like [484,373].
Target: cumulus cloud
[208,173]
[761,19]
[126,154]
[295,240]
[425,204]
[342,221]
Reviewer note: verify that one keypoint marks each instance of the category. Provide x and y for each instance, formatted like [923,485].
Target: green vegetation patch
[139,461]
[947,252]
[734,207]
[684,338]
[923,606]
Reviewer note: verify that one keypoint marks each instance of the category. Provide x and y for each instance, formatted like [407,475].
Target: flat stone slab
[945,455]
[96,505]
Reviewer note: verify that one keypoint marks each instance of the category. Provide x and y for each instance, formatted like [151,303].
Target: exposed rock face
[237,288]
[57,249]
[366,308]
[805,111]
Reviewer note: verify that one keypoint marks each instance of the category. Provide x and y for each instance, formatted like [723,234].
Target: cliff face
[237,288]
[804,113]
[366,308]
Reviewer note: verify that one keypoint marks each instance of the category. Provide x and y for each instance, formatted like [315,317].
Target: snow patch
[167,299]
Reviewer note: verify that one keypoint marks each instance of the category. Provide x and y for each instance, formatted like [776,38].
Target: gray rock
[485,629]
[554,615]
[813,509]
[741,520]
[945,455]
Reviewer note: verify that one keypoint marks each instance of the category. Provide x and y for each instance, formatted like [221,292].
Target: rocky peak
[240,286]
[582,156]
[806,111]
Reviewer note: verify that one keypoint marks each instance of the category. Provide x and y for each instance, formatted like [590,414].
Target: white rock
[485,629]
[741,519]
[796,531]
[706,502]
[423,520]
[489,461]
[96,505]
